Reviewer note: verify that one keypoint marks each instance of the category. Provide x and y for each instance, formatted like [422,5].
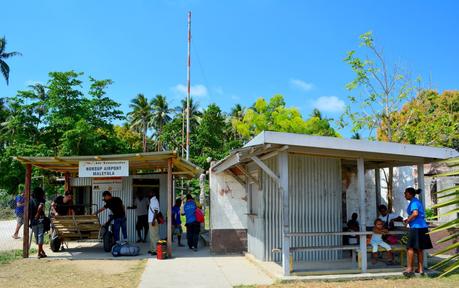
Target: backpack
[12,203]
[125,250]
[199,215]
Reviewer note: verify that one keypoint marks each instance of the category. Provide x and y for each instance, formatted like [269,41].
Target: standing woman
[418,239]
[37,217]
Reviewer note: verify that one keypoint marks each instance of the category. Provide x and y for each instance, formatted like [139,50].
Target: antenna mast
[188,91]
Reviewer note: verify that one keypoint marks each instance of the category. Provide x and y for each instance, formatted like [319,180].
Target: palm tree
[140,117]
[40,94]
[160,116]
[236,115]
[5,55]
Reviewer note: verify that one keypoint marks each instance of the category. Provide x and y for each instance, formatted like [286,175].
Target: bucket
[161,250]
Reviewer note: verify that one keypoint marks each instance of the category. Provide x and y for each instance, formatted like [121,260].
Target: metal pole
[188,91]
[283,187]
[421,185]
[169,207]
[363,216]
[25,238]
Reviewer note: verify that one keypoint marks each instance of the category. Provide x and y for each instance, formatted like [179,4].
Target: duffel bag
[125,250]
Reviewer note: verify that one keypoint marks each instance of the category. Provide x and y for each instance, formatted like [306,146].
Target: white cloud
[198,90]
[302,85]
[329,104]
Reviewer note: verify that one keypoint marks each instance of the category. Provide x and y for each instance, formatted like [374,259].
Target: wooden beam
[169,207]
[98,158]
[266,169]
[362,206]
[237,178]
[247,174]
[25,238]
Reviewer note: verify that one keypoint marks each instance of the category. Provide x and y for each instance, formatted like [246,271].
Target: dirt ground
[448,282]
[72,273]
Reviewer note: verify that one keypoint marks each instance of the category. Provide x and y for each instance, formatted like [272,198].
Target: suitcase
[125,249]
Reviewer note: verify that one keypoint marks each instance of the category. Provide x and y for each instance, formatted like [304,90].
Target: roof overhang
[376,154]
[137,161]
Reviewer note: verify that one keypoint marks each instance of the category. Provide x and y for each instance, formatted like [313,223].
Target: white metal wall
[127,198]
[80,182]
[315,206]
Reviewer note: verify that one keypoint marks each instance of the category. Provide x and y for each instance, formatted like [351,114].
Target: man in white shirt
[153,211]
[141,204]
[388,218]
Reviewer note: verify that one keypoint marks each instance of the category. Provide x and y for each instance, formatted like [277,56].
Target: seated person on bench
[62,205]
[377,240]
[353,226]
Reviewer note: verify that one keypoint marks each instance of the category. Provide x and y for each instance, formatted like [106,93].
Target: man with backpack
[18,206]
[193,225]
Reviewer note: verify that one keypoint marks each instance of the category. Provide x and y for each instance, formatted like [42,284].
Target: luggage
[125,249]
[161,250]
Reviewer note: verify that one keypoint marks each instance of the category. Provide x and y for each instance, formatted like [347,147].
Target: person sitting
[62,205]
[377,240]
[388,218]
[353,226]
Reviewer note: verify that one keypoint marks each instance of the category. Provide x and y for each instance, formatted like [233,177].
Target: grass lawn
[71,273]
[452,281]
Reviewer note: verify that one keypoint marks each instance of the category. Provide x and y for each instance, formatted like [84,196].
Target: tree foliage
[430,118]
[275,116]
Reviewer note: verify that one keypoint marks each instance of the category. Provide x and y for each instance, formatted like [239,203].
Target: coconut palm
[236,115]
[140,117]
[161,116]
[5,55]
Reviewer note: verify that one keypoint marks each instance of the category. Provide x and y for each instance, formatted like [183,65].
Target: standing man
[192,225]
[177,222]
[115,204]
[62,205]
[152,220]
[141,204]
[19,211]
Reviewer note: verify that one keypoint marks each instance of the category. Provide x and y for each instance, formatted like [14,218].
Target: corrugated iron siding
[127,198]
[315,206]
[255,224]
[81,182]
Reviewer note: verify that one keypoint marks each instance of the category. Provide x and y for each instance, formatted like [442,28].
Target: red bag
[199,215]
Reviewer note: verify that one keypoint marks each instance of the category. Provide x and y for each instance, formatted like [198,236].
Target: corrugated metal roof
[147,161]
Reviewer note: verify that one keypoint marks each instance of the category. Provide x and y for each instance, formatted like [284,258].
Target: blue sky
[241,49]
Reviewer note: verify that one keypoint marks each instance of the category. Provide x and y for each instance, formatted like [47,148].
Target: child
[376,240]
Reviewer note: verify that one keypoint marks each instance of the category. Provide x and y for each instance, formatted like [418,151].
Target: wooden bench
[395,248]
[352,248]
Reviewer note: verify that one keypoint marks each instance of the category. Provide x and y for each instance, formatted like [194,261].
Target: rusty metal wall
[315,206]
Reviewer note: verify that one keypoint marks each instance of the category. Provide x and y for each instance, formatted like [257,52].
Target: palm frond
[5,69]
[447,238]
[6,55]
[447,203]
[445,262]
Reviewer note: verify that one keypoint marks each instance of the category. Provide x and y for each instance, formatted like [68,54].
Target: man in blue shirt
[19,211]
[192,225]
[177,222]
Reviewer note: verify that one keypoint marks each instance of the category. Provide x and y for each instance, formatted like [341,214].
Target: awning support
[25,238]
[363,216]
[421,185]
[283,171]
[266,169]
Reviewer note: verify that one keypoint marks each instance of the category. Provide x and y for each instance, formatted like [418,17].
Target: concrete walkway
[200,269]
[7,228]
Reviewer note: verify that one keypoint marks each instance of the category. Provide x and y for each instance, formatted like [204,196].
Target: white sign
[112,185]
[118,168]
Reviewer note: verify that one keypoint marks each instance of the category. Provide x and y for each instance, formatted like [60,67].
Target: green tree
[379,91]
[4,68]
[161,116]
[140,117]
[237,113]
[275,116]
[429,119]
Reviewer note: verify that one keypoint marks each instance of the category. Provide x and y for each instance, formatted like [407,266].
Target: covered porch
[150,170]
[296,196]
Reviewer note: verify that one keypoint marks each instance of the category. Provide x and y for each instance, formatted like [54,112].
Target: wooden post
[362,206]
[169,207]
[378,188]
[67,186]
[25,238]
[421,185]
[283,188]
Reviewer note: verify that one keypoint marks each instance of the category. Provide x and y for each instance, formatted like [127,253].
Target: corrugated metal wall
[80,182]
[127,198]
[315,206]
[255,224]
